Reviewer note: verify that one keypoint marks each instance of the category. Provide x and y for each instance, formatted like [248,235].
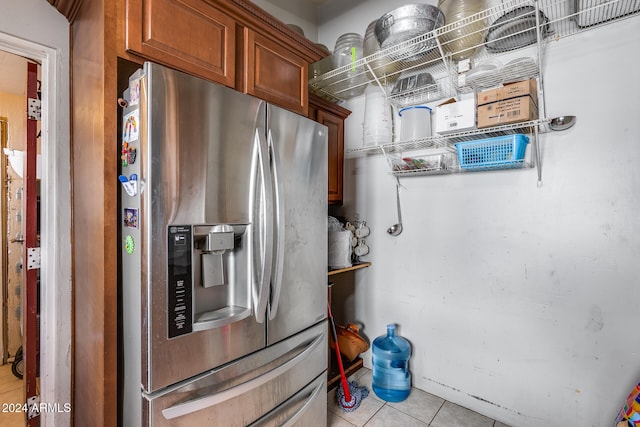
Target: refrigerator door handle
[201,403]
[262,219]
[278,268]
[293,419]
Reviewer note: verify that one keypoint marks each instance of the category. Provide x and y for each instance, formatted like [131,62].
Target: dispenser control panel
[180,275]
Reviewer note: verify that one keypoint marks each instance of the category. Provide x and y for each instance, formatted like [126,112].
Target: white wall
[520,302]
[35,29]
[295,12]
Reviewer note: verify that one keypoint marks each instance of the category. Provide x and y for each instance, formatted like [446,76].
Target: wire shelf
[508,27]
[448,141]
[520,164]
[426,172]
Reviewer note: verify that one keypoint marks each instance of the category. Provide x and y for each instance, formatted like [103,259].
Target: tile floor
[421,409]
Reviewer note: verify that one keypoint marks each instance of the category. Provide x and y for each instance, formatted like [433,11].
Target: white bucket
[339,249]
[415,122]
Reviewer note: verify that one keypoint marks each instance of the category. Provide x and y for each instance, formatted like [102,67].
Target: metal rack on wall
[433,50]
[497,34]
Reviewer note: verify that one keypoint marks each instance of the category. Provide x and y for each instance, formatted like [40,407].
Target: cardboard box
[505,112]
[452,116]
[508,91]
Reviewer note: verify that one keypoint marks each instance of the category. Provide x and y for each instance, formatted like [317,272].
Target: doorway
[55,226]
[13,136]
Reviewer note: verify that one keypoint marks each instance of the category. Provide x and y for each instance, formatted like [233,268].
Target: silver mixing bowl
[405,23]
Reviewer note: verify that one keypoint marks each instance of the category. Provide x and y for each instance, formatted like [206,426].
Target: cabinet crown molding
[68,8]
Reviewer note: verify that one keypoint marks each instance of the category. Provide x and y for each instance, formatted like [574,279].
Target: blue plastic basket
[501,152]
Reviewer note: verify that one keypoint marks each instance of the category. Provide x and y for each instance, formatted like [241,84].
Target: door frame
[3,240]
[55,237]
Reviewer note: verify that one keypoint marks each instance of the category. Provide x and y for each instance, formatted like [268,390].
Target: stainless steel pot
[383,67]
[407,22]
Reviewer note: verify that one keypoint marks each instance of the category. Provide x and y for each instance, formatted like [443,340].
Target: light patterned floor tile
[420,404]
[363,378]
[334,420]
[452,415]
[363,413]
[499,424]
[391,417]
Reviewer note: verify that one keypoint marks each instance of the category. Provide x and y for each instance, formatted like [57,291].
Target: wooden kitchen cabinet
[333,117]
[275,73]
[190,35]
[232,42]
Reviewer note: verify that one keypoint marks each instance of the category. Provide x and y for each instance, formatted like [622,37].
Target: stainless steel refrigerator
[224,255]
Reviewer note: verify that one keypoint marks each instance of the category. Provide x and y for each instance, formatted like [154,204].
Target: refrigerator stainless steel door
[198,170]
[299,274]
[132,307]
[284,384]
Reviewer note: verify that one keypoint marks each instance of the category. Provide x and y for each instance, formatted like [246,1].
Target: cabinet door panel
[335,125]
[190,35]
[275,74]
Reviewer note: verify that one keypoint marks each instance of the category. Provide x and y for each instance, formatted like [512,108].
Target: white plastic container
[378,120]
[415,122]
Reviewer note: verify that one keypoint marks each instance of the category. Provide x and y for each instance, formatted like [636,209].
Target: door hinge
[33,407]
[33,258]
[34,108]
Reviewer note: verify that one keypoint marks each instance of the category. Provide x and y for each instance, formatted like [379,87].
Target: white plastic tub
[415,122]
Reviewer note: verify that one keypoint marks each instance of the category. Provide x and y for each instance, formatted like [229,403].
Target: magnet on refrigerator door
[131,155]
[128,155]
[124,157]
[129,244]
[130,184]
[134,92]
[130,127]
[130,217]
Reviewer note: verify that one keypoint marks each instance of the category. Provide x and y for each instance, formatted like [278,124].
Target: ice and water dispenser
[207,271]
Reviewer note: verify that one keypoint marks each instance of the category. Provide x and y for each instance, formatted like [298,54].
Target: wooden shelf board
[353,267]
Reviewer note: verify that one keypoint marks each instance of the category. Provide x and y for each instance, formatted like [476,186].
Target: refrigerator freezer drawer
[307,408]
[277,383]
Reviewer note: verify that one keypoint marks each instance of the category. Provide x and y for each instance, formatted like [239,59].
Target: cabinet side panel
[335,126]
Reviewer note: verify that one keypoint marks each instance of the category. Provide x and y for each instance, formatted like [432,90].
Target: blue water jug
[390,360]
